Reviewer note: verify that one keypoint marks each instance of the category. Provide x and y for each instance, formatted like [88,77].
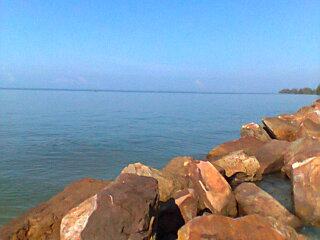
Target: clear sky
[237,46]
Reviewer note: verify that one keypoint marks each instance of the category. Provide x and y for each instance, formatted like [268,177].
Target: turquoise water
[50,138]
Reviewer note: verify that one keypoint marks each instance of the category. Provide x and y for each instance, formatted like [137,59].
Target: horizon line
[126,90]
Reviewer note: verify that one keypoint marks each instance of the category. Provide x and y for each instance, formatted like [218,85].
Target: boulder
[174,213]
[166,184]
[248,144]
[213,190]
[253,200]
[43,221]
[306,190]
[270,156]
[308,128]
[187,202]
[281,127]
[124,210]
[253,227]
[300,150]
[177,170]
[239,164]
[254,130]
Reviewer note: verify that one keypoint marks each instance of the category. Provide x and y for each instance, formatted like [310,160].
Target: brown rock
[254,130]
[244,167]
[281,127]
[253,200]
[248,144]
[270,156]
[177,171]
[253,227]
[166,184]
[187,202]
[300,150]
[308,128]
[213,190]
[306,190]
[124,210]
[43,221]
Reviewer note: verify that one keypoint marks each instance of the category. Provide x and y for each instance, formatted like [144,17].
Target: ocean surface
[51,138]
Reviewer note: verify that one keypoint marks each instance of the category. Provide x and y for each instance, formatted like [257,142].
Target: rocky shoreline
[219,197]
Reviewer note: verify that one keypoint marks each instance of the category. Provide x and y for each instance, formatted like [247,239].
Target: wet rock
[253,200]
[248,144]
[187,202]
[271,156]
[281,127]
[124,210]
[244,167]
[166,184]
[300,150]
[43,221]
[254,130]
[224,228]
[306,190]
[213,190]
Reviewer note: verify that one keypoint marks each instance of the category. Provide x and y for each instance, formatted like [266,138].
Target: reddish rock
[213,190]
[306,190]
[254,130]
[271,156]
[281,127]
[308,128]
[300,150]
[187,202]
[248,144]
[253,200]
[166,184]
[253,227]
[43,221]
[124,210]
[244,167]
[177,170]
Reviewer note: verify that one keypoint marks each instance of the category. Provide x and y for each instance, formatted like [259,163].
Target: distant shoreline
[127,91]
[301,91]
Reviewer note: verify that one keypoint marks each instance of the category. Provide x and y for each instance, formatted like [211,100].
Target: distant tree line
[306,90]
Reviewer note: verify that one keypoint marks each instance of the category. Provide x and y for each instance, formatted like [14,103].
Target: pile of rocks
[213,198]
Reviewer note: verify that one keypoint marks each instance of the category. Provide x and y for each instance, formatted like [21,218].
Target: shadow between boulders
[169,220]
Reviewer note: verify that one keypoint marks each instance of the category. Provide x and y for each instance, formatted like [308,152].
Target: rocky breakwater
[219,197]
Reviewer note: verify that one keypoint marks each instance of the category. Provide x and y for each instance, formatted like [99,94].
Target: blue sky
[237,46]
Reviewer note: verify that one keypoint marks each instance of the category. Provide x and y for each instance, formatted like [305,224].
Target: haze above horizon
[192,46]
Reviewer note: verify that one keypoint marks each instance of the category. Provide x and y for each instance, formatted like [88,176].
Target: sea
[49,138]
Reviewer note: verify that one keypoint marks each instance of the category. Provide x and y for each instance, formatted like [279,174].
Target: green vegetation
[308,91]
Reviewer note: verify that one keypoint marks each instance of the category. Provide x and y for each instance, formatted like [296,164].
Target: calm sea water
[50,138]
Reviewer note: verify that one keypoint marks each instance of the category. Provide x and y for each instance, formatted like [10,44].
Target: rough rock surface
[166,184]
[244,167]
[187,202]
[308,128]
[213,190]
[254,130]
[177,170]
[253,200]
[253,227]
[300,150]
[281,127]
[43,221]
[124,210]
[271,156]
[306,190]
[248,144]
